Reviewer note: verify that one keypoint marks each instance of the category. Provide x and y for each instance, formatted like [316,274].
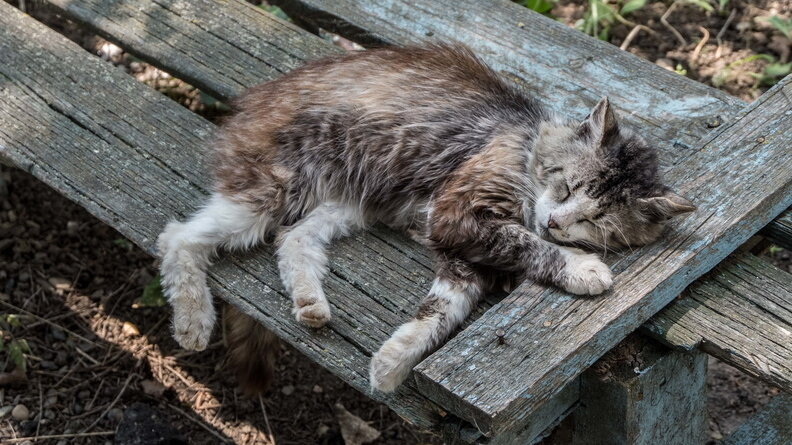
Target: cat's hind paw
[192,326]
[390,366]
[312,311]
[584,273]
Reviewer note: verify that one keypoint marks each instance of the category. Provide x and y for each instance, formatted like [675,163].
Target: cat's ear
[666,206]
[600,123]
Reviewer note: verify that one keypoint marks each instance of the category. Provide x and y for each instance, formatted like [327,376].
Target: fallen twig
[633,32]
[112,404]
[201,424]
[59,436]
[694,57]
[725,26]
[664,21]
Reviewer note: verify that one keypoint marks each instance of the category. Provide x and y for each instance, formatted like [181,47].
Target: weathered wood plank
[741,314]
[642,393]
[219,46]
[779,231]
[135,159]
[563,68]
[770,426]
[556,336]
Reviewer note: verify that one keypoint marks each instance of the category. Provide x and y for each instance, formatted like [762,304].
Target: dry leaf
[354,430]
[129,329]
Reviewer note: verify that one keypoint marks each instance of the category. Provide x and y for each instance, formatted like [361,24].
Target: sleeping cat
[432,141]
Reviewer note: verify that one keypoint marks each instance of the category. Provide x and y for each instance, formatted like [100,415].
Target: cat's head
[599,185]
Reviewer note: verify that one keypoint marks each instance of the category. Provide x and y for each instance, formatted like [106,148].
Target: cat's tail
[252,350]
[186,249]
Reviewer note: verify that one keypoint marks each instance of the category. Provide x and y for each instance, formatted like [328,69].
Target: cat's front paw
[192,325]
[584,273]
[389,366]
[312,310]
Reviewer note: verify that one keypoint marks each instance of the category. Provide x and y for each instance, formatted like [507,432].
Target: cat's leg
[302,260]
[186,249]
[511,246]
[454,293]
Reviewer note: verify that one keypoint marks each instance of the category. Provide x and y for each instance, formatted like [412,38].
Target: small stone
[57,333]
[77,408]
[287,390]
[49,414]
[665,63]
[60,284]
[129,329]
[71,227]
[20,412]
[6,410]
[318,389]
[50,401]
[322,429]
[153,387]
[115,415]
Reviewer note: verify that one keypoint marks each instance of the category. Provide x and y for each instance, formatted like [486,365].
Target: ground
[69,285]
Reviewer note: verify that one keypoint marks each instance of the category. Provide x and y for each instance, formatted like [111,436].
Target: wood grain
[779,231]
[741,314]
[556,336]
[219,46]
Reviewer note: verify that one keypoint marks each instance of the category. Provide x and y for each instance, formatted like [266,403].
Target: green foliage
[680,70]
[600,16]
[784,26]
[152,295]
[123,243]
[703,4]
[15,348]
[274,10]
[770,75]
[540,6]
[631,6]
[722,5]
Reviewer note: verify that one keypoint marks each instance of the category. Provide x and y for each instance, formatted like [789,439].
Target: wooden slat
[219,46]
[770,426]
[779,231]
[556,336]
[741,314]
[563,68]
[135,159]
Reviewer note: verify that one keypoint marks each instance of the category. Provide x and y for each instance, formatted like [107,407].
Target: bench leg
[642,393]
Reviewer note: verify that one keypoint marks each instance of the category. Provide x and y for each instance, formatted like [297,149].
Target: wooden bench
[63,110]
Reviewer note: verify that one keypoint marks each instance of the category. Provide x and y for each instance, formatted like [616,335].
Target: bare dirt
[69,284]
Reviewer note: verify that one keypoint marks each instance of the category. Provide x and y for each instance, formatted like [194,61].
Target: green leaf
[722,5]
[152,295]
[17,355]
[13,320]
[782,25]
[276,11]
[123,243]
[540,6]
[632,5]
[701,4]
[778,69]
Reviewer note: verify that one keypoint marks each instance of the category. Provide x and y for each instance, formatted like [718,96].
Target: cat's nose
[551,223]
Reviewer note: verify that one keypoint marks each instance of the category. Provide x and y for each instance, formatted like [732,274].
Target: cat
[430,140]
